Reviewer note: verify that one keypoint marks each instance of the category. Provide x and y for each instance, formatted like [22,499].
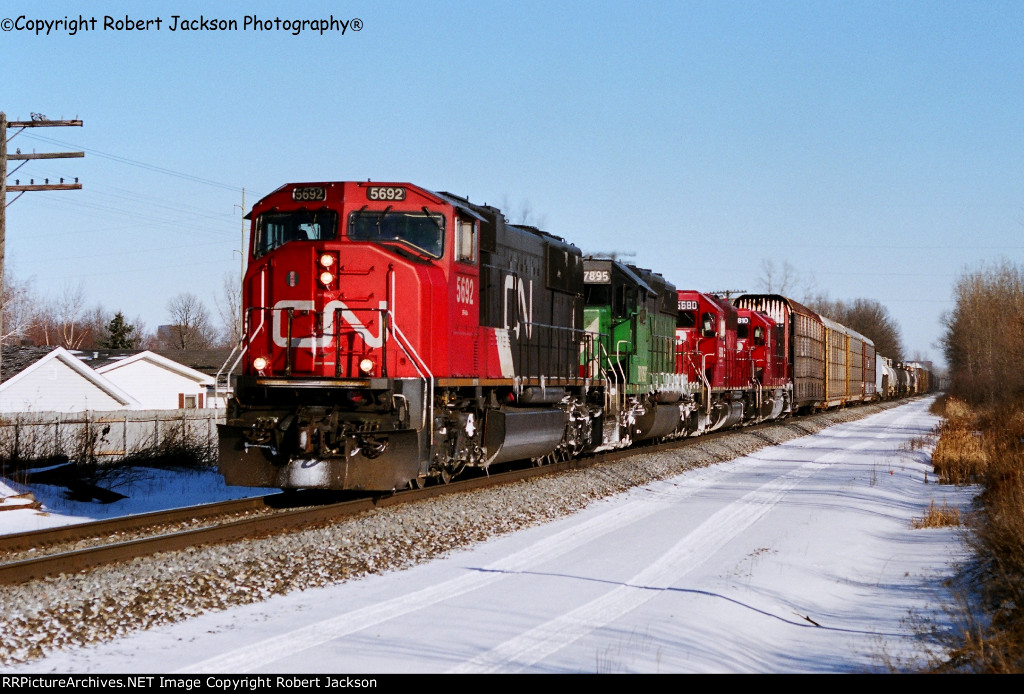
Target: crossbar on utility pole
[36,122]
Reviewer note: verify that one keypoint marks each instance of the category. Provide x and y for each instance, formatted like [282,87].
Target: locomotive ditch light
[259,363]
[326,278]
[327,260]
[366,365]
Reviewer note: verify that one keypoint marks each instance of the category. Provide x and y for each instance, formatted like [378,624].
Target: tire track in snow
[280,647]
[528,648]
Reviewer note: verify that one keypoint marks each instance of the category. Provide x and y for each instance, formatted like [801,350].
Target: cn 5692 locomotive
[395,335]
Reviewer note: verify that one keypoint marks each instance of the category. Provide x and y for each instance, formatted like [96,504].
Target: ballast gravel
[70,611]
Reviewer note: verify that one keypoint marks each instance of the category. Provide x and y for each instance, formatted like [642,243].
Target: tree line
[67,319]
[868,317]
[984,335]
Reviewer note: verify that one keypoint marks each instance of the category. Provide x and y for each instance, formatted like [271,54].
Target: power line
[143,165]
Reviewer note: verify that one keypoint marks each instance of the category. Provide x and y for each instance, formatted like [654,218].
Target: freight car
[394,335]
[831,364]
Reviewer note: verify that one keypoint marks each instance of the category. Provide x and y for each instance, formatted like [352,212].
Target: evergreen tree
[120,334]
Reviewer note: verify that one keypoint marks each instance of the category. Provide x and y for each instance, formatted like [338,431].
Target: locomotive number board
[597,272]
[309,193]
[385,193]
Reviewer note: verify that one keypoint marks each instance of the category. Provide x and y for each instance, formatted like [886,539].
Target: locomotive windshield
[275,229]
[421,230]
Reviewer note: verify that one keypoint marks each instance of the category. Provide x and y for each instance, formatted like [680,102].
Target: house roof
[162,361]
[15,359]
[29,359]
[208,361]
[97,358]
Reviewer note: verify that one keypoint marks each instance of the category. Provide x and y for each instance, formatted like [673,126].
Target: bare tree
[64,320]
[786,280]
[71,317]
[19,311]
[865,316]
[984,340]
[229,307]
[190,326]
[871,319]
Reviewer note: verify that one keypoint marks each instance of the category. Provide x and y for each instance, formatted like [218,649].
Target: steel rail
[96,529]
[73,561]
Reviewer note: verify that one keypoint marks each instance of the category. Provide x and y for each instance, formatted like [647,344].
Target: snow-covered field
[798,558]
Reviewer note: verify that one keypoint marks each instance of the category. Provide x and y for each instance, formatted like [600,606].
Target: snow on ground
[145,490]
[799,558]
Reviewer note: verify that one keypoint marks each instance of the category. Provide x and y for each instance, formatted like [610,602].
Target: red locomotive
[737,355]
[395,334]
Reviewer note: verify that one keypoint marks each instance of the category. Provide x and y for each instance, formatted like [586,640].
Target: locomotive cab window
[597,294]
[465,242]
[274,229]
[686,319]
[759,335]
[625,301]
[707,325]
[424,231]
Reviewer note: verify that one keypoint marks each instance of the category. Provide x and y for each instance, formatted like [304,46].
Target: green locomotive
[632,313]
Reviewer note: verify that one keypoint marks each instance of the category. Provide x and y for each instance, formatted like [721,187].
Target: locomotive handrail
[428,377]
[707,382]
[613,378]
[224,378]
[337,333]
[242,346]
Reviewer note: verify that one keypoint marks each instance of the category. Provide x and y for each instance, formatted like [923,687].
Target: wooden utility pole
[38,121]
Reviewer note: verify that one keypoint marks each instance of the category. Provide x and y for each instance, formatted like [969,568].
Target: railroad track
[42,553]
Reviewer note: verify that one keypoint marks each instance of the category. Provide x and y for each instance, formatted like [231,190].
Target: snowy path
[799,558]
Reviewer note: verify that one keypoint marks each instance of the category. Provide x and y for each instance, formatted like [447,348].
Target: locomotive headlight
[366,365]
[327,260]
[326,278]
[259,363]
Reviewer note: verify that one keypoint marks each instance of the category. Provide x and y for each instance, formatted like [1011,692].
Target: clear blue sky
[875,146]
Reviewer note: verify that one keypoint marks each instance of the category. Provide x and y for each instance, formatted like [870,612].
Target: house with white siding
[158,383]
[102,405]
[52,379]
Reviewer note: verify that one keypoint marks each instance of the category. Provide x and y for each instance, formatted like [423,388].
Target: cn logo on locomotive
[348,316]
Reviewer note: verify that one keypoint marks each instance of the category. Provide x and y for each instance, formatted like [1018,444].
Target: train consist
[395,336]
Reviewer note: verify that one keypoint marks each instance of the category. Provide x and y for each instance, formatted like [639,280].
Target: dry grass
[987,446]
[938,517]
[959,456]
